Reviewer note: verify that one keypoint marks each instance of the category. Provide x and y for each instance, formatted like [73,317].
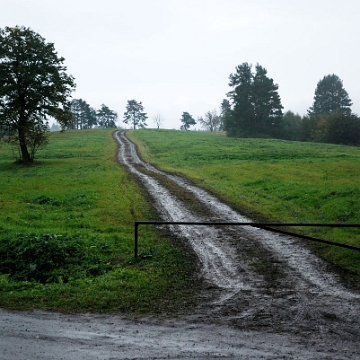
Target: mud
[42,335]
[266,296]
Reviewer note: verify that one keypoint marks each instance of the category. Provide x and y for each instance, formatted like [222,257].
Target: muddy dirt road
[267,296]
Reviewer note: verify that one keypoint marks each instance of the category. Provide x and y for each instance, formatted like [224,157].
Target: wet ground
[41,335]
[266,295]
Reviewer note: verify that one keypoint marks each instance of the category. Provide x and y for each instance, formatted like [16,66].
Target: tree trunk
[25,156]
[22,131]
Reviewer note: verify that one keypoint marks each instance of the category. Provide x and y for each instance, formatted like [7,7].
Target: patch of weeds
[76,200]
[51,258]
[46,200]
[35,258]
[79,200]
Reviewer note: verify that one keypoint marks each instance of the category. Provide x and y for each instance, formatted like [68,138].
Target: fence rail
[265,226]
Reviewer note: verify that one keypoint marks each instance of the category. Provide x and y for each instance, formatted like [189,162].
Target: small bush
[36,258]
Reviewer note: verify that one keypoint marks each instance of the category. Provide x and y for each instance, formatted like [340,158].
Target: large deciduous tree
[34,87]
[187,121]
[135,115]
[106,118]
[330,97]
[256,108]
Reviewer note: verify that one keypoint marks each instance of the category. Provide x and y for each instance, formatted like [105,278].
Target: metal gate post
[136,240]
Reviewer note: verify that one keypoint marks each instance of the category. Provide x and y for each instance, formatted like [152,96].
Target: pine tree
[106,118]
[267,104]
[242,114]
[187,121]
[84,116]
[256,104]
[330,97]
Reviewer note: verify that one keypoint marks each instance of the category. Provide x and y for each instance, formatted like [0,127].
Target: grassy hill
[66,222]
[66,233]
[267,179]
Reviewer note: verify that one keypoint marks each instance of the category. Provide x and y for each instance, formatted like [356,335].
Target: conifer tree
[187,121]
[330,97]
[256,108]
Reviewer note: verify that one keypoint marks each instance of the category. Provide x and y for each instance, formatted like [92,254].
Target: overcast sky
[177,55]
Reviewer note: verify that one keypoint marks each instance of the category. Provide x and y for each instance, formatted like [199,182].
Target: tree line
[34,88]
[86,117]
[253,109]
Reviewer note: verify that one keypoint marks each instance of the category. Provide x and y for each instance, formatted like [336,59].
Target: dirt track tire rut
[268,297]
[262,280]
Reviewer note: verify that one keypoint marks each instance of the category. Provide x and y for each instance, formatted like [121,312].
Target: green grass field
[66,222]
[66,233]
[271,180]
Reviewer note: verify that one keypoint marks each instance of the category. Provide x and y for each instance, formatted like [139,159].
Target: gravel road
[267,296]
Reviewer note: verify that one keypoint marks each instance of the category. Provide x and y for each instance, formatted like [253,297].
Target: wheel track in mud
[291,292]
[273,299]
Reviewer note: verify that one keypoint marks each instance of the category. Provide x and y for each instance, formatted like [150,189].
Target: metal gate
[265,226]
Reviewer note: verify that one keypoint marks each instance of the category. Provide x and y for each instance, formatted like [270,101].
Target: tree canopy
[134,114]
[106,118]
[34,86]
[330,97]
[256,108]
[84,116]
[187,121]
[211,121]
[292,124]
